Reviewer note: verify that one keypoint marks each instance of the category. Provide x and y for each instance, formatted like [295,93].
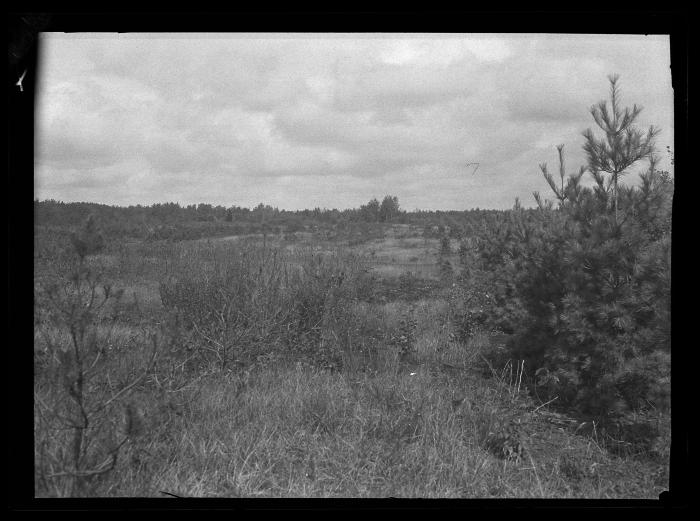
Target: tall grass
[279,374]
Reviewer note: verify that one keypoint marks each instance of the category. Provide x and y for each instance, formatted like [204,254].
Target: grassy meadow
[294,365]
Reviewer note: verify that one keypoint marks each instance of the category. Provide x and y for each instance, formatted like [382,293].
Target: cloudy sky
[329,120]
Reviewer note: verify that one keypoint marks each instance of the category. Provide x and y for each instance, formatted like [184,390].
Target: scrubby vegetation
[205,351]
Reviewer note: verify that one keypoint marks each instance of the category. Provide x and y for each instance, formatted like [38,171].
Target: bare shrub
[83,381]
[234,302]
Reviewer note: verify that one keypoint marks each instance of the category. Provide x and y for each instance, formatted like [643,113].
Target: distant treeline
[173,221]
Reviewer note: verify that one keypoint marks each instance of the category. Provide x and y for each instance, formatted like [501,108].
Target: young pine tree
[623,144]
[592,286]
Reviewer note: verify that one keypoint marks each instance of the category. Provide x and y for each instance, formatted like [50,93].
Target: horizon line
[147,205]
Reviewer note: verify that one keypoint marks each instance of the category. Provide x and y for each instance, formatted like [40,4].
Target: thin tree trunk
[77,450]
[615,179]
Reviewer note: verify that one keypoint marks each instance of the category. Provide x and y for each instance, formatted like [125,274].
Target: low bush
[237,301]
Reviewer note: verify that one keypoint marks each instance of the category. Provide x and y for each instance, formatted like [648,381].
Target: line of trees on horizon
[386,211]
[51,212]
[173,221]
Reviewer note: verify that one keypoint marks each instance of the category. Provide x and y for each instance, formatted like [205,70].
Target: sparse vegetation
[209,351]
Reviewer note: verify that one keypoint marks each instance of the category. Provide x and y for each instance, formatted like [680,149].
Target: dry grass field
[367,394]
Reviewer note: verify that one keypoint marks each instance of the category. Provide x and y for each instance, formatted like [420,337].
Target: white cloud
[328,121]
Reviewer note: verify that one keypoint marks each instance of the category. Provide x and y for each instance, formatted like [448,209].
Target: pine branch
[560,149]
[550,180]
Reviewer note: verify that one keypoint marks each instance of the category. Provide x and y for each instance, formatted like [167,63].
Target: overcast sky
[329,120]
